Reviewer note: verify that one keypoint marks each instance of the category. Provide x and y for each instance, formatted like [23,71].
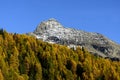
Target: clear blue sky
[102,16]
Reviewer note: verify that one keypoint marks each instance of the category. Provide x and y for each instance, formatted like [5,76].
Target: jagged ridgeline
[24,57]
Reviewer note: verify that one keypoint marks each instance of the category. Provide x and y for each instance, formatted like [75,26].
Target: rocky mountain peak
[47,25]
[52,31]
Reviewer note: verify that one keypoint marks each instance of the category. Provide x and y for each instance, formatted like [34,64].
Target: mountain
[53,32]
[24,57]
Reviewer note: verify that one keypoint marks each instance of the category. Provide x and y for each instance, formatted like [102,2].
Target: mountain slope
[52,31]
[24,57]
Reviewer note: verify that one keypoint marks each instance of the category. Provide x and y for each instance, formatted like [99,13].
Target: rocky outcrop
[52,31]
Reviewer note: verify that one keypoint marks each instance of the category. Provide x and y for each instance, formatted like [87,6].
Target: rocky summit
[53,32]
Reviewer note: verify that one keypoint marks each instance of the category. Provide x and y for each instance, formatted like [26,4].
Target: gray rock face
[52,31]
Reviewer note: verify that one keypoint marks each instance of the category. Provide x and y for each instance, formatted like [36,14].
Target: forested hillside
[24,57]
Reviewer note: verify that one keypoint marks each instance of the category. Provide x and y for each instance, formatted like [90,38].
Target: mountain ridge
[54,32]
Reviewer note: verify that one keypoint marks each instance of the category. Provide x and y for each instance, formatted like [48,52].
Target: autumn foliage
[24,57]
